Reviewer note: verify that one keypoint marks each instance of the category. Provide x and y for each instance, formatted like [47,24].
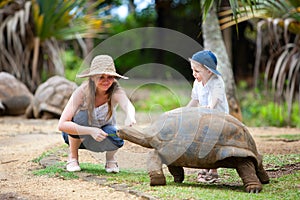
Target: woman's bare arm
[121,98]
[65,123]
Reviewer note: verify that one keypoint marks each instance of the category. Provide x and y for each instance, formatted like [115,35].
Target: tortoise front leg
[155,171]
[247,172]
[177,173]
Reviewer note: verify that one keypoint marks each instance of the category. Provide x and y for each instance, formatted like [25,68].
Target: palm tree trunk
[213,40]
[35,62]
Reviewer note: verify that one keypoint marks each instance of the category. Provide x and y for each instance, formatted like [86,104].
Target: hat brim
[212,70]
[86,74]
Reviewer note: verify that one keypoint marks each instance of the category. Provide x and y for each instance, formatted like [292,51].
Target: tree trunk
[213,40]
[88,45]
[34,72]
[162,8]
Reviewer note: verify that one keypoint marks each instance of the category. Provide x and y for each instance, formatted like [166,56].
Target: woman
[88,120]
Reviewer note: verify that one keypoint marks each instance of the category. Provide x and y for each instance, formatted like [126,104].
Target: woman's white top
[100,116]
[213,90]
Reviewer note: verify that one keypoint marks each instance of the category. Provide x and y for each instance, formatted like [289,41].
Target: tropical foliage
[278,43]
[281,50]
[33,34]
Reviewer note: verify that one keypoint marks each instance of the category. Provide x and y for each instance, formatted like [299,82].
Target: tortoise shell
[15,97]
[51,97]
[183,134]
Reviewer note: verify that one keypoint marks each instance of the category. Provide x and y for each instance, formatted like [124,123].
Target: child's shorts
[111,143]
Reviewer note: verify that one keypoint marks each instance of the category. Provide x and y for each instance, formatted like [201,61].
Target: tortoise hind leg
[262,175]
[177,173]
[155,171]
[247,172]
[261,172]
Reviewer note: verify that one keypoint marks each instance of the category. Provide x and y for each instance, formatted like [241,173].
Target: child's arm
[214,103]
[193,103]
[217,95]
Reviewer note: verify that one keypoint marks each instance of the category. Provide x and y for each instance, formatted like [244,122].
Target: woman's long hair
[91,99]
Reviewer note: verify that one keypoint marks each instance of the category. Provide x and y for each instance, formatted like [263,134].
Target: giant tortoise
[15,97]
[50,98]
[198,138]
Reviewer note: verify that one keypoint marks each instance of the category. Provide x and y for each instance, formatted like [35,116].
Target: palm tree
[281,19]
[32,31]
[279,24]
[213,40]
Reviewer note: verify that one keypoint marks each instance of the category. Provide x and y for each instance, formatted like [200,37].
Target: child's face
[200,73]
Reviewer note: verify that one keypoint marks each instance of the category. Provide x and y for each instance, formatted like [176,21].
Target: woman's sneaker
[73,165]
[110,169]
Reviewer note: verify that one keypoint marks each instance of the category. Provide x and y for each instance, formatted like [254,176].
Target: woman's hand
[130,121]
[98,134]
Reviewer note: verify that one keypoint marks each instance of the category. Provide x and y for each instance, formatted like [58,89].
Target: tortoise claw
[253,189]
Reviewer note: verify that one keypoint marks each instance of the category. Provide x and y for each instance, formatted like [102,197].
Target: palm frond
[262,9]
[282,66]
[206,6]
[65,19]
[277,39]
[29,30]
[13,27]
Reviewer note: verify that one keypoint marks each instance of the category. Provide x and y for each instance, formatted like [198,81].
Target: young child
[89,119]
[209,92]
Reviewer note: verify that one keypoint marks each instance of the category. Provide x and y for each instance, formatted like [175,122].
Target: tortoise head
[133,135]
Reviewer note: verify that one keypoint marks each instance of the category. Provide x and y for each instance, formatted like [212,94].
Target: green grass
[56,150]
[294,137]
[286,187]
[285,137]
[56,170]
[159,97]
[229,187]
[278,161]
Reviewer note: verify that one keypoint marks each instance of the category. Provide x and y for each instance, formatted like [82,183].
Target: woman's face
[103,81]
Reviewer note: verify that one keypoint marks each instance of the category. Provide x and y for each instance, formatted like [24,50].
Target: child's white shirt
[212,91]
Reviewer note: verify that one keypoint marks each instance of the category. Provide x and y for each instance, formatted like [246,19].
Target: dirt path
[22,140]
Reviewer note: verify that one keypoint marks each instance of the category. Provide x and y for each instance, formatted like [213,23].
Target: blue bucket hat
[208,59]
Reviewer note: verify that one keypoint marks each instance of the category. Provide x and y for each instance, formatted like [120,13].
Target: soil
[22,140]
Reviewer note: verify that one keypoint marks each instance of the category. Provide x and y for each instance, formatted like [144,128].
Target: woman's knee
[109,129]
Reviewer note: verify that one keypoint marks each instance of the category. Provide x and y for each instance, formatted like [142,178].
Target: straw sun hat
[102,64]
[208,59]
